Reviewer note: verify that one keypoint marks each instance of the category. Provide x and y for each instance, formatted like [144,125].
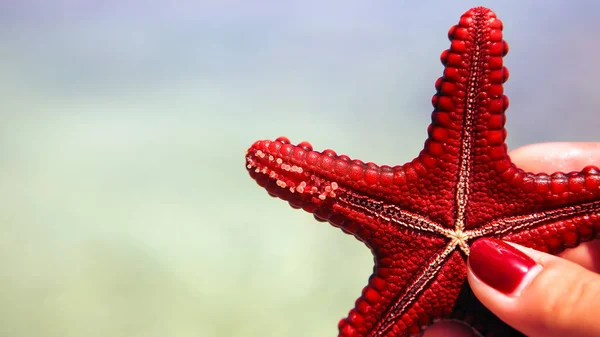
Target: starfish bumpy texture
[420,218]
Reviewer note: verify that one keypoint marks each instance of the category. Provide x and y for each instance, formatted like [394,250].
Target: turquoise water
[125,206]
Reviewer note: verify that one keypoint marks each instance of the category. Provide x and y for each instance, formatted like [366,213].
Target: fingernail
[499,265]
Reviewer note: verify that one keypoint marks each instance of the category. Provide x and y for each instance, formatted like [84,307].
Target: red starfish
[420,218]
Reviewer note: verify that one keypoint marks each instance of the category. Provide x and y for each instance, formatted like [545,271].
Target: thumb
[536,293]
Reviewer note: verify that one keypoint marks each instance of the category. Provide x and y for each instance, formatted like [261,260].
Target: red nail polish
[498,264]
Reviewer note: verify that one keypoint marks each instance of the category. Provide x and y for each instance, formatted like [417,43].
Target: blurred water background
[125,207]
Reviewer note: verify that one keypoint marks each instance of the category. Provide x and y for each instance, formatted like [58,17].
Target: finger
[550,157]
[586,255]
[449,329]
[536,293]
[565,157]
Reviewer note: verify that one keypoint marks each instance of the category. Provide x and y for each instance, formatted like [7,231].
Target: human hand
[554,296]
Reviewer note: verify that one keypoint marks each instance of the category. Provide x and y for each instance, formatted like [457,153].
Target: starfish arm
[403,298]
[555,212]
[521,200]
[548,191]
[555,237]
[467,123]
[332,187]
[517,192]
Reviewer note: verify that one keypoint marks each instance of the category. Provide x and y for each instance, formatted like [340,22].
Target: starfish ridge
[419,218]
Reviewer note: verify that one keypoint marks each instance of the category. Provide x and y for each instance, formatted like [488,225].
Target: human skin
[560,296]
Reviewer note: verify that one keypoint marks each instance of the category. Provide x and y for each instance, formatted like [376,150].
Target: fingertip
[566,157]
[586,255]
[554,298]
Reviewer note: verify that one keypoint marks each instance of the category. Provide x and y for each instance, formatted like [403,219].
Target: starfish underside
[419,218]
